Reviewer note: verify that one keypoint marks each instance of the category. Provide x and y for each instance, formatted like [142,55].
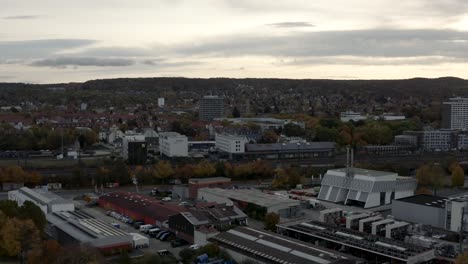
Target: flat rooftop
[425,199]
[366,172]
[43,197]
[391,248]
[252,196]
[308,146]
[273,248]
[84,228]
[209,180]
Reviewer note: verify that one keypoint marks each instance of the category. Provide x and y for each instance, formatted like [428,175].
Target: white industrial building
[48,202]
[365,188]
[173,144]
[230,143]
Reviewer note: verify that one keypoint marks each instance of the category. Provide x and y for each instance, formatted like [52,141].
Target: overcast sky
[62,41]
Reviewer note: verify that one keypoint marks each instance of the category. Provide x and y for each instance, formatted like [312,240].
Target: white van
[144,228]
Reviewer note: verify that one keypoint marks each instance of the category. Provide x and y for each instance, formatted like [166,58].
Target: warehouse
[140,207]
[425,209]
[252,199]
[364,188]
[72,227]
[247,244]
[48,202]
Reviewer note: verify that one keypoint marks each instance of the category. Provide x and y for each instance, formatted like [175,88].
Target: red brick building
[197,183]
[140,207]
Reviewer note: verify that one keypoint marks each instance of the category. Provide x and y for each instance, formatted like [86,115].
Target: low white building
[350,115]
[48,202]
[365,188]
[230,143]
[173,144]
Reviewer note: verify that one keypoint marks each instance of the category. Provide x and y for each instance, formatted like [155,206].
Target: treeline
[164,172]
[16,174]
[359,133]
[43,137]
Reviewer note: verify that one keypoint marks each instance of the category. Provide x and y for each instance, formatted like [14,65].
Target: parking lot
[154,244]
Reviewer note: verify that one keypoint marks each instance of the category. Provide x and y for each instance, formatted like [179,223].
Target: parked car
[151,228]
[166,236]
[161,233]
[178,242]
[137,224]
[154,231]
[144,228]
[164,252]
[194,247]
[166,199]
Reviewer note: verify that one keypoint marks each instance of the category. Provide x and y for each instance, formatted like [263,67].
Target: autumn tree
[458,175]
[204,169]
[31,211]
[271,220]
[18,237]
[162,171]
[423,190]
[462,258]
[431,175]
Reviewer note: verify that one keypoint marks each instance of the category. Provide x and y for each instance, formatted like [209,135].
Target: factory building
[364,188]
[78,227]
[252,198]
[140,207]
[436,211]
[371,247]
[425,209]
[250,245]
[47,201]
[71,227]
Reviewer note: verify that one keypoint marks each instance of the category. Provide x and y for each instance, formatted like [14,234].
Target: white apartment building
[161,102]
[173,144]
[230,143]
[455,113]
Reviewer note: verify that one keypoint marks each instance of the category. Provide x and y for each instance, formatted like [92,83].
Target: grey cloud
[29,49]
[291,24]
[362,43]
[61,62]
[168,64]
[115,51]
[23,17]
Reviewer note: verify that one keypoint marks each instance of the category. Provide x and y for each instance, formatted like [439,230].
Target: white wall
[230,143]
[173,146]
[62,207]
[20,198]
[403,194]
[373,200]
